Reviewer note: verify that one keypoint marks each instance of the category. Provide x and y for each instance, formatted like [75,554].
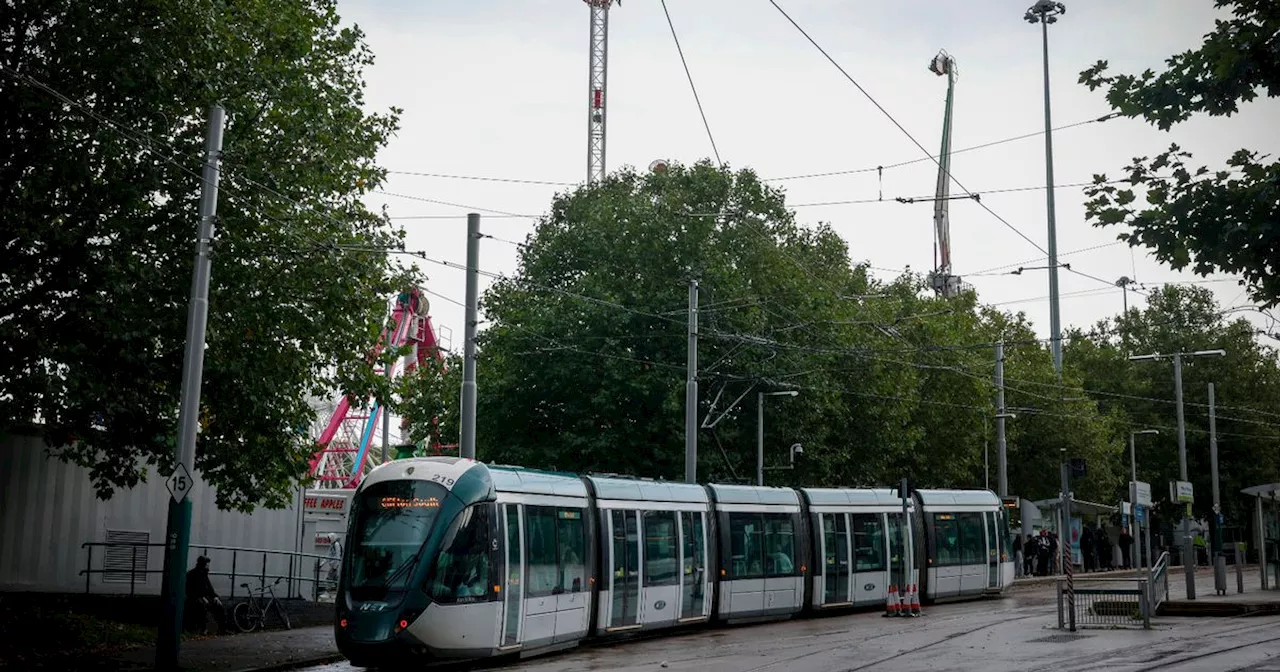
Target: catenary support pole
[760,438]
[1188,552]
[1068,561]
[691,391]
[1215,522]
[178,535]
[1002,460]
[468,439]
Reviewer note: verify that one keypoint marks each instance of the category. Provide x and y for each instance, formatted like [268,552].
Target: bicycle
[252,614]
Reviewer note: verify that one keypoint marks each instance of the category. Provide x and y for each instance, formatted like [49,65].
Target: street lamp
[760,430]
[1045,12]
[1001,459]
[1188,553]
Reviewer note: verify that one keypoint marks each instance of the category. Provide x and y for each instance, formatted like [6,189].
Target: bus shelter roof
[1271,490]
[1077,506]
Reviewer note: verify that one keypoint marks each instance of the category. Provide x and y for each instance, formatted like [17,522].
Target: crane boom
[943,281]
[597,77]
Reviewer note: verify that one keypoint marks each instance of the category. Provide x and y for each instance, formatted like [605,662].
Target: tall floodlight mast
[597,77]
[943,281]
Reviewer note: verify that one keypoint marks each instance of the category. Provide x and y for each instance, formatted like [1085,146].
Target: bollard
[1239,570]
[1220,574]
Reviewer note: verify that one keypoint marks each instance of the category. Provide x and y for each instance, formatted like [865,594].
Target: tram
[452,559]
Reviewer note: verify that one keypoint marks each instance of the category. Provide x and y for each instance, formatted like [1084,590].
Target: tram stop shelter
[1081,511]
[1267,531]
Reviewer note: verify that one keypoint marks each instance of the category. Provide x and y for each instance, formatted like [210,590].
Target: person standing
[1126,549]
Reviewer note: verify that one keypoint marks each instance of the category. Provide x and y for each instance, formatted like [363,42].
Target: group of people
[1040,553]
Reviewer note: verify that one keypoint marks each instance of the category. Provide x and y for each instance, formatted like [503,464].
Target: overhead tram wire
[900,127]
[900,164]
[692,86]
[834,173]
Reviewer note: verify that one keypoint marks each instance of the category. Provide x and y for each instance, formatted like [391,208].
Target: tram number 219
[442,479]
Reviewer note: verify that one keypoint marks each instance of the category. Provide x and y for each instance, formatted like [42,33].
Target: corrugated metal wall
[48,509]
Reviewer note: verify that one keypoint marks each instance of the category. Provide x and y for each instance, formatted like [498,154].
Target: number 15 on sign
[179,483]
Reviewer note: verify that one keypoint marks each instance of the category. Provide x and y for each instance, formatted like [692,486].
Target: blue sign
[1219,520]
[1124,520]
[1141,514]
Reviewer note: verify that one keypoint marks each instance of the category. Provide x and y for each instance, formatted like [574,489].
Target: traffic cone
[915,600]
[891,602]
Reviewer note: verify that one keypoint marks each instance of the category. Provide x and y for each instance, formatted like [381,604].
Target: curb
[325,659]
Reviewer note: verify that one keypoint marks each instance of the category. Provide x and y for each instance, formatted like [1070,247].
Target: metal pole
[906,523]
[1215,523]
[1055,322]
[759,438]
[1188,553]
[1067,560]
[1002,460]
[1213,467]
[691,392]
[468,440]
[178,535]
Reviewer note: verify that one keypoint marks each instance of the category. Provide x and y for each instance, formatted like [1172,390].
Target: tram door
[992,521]
[693,559]
[513,567]
[836,568]
[624,577]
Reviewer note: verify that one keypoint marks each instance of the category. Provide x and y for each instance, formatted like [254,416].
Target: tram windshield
[393,519]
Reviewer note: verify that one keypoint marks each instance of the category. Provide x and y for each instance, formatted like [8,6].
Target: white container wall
[48,510]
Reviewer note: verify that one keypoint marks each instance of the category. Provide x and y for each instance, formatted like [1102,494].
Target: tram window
[868,542]
[946,534]
[572,545]
[746,544]
[540,535]
[780,545]
[895,541]
[392,521]
[556,549]
[660,548]
[973,539]
[461,571]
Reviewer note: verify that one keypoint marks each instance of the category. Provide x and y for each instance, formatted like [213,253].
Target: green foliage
[1186,319]
[96,285]
[582,367]
[1223,220]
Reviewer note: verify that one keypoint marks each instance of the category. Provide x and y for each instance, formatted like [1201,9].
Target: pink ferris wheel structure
[344,452]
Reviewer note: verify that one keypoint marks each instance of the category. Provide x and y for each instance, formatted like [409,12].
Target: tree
[103,112]
[1219,220]
[583,365]
[1141,394]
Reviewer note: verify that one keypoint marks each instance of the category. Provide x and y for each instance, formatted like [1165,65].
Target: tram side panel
[656,558]
[763,551]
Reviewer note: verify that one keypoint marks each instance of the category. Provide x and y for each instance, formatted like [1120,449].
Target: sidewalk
[262,651]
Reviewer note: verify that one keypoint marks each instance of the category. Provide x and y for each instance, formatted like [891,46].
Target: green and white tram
[450,559]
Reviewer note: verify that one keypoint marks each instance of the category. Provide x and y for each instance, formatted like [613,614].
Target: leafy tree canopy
[583,365]
[103,112]
[1211,220]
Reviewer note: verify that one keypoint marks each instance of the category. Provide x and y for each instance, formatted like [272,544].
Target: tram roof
[532,481]
[648,491]
[751,494]
[855,497]
[958,497]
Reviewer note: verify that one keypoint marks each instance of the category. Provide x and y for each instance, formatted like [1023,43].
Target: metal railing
[301,568]
[1105,603]
[1159,589]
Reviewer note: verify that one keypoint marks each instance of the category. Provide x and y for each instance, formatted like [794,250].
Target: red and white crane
[597,78]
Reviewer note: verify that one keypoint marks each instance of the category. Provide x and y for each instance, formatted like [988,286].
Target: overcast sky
[499,89]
